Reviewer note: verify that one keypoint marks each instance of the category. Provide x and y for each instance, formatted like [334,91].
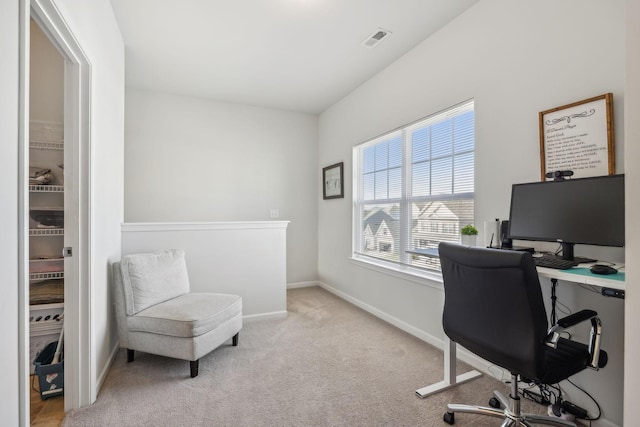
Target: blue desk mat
[586,272]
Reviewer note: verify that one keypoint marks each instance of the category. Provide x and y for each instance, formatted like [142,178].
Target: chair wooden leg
[130,355]
[193,364]
[235,339]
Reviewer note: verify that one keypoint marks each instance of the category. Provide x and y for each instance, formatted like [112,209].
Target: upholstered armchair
[156,312]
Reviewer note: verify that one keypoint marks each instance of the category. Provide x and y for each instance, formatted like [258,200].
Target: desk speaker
[505,241]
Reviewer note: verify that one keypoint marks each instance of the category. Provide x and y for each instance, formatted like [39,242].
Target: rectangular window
[414,188]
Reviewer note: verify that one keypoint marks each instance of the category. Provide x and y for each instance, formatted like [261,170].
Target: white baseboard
[105,371]
[428,338]
[463,354]
[302,284]
[265,316]
[598,423]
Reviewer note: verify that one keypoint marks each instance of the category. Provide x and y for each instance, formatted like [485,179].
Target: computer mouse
[602,269]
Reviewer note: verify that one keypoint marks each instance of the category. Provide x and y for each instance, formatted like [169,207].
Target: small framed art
[333,181]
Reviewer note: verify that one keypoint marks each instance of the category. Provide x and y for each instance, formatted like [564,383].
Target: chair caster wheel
[495,403]
[449,418]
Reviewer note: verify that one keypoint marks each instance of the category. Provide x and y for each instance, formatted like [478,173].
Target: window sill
[416,275]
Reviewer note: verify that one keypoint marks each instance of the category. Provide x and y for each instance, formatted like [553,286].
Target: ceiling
[298,55]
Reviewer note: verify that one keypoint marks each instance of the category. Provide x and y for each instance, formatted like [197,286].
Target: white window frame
[403,265]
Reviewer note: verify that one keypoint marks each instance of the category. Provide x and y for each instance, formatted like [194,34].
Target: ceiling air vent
[376,37]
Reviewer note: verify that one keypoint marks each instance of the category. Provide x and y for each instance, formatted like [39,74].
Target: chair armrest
[595,336]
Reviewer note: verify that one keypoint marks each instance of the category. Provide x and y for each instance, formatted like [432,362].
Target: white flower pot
[468,240]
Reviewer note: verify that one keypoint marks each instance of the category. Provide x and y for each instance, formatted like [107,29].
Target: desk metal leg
[450,377]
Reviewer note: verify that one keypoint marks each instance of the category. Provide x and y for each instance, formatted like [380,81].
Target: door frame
[79,380]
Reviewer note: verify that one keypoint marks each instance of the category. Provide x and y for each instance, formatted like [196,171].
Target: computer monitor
[586,211]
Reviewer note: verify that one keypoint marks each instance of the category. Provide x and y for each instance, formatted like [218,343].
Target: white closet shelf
[46,232]
[46,145]
[46,188]
[46,275]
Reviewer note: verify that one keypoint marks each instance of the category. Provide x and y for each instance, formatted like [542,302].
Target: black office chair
[494,308]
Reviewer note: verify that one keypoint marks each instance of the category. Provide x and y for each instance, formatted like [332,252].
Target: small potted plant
[469,233]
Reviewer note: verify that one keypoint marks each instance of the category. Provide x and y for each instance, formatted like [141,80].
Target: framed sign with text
[578,137]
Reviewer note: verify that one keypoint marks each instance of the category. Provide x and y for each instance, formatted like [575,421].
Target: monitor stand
[567,254]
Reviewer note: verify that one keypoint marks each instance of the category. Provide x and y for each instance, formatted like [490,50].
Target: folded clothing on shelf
[46,292]
[46,218]
[40,176]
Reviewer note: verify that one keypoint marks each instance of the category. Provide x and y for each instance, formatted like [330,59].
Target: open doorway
[69,165]
[46,228]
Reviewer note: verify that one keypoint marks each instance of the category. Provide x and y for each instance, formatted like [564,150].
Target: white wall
[515,59]
[13,380]
[632,170]
[191,159]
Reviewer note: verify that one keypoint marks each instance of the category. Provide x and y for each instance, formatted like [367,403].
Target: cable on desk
[565,309]
[558,250]
[554,303]
[554,284]
[548,395]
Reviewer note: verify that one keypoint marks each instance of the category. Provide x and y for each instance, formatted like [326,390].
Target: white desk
[580,274]
[450,377]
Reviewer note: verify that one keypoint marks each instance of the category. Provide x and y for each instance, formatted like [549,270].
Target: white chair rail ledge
[245,258]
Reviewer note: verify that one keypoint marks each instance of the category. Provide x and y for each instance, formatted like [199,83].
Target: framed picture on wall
[333,181]
[578,137]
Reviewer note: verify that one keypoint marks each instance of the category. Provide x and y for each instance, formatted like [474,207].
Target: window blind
[414,188]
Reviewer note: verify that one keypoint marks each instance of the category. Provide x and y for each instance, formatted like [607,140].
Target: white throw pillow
[152,278]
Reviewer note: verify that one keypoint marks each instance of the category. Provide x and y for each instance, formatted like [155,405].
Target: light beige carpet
[328,364]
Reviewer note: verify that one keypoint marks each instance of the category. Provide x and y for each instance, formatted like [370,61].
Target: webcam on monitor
[559,175]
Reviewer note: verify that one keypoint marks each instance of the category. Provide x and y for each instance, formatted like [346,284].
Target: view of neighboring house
[432,222]
[382,232]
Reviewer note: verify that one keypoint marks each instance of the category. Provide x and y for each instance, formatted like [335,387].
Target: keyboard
[554,262]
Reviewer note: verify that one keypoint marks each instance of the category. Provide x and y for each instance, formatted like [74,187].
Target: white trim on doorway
[80,389]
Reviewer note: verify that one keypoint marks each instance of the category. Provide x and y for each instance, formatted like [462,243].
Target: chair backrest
[151,278]
[494,307]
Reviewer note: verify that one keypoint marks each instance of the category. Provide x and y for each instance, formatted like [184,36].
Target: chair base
[511,415]
[527,420]
[193,364]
